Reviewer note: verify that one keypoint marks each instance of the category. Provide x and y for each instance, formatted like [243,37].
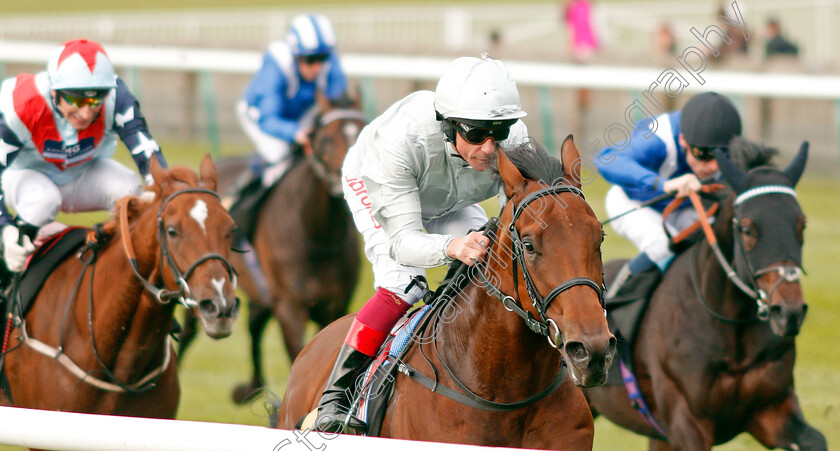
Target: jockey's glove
[15,250]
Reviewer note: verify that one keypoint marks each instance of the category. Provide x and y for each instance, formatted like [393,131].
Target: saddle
[376,384]
[249,199]
[44,260]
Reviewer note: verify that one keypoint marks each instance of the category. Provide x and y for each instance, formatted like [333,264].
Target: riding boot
[369,330]
[234,191]
[334,408]
[635,280]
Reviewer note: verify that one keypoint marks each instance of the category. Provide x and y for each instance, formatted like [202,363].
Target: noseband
[162,295]
[541,303]
[750,286]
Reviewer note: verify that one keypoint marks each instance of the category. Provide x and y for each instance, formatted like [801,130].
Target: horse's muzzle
[590,360]
[786,319]
[217,316]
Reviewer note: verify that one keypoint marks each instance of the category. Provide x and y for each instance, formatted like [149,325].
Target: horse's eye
[749,232]
[528,246]
[171,231]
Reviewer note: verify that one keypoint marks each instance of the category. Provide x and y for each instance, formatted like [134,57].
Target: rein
[162,296]
[539,302]
[749,287]
[540,326]
[465,396]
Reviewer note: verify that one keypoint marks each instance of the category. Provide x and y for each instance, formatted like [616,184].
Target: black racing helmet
[710,120]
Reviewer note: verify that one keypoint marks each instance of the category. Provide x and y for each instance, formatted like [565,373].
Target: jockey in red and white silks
[58,130]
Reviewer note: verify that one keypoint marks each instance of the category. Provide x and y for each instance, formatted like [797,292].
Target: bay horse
[715,350]
[544,264]
[305,242]
[96,339]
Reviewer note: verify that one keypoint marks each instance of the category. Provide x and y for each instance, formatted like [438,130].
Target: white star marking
[147,146]
[5,150]
[199,213]
[122,119]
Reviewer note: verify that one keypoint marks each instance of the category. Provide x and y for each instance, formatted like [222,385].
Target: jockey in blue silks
[277,108]
[672,159]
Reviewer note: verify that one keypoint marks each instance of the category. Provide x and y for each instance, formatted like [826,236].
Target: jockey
[422,165]
[58,129]
[277,108]
[673,160]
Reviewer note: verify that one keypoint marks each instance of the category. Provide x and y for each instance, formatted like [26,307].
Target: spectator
[577,16]
[776,43]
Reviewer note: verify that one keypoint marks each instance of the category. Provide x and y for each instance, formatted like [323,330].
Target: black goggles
[316,58]
[704,153]
[476,135]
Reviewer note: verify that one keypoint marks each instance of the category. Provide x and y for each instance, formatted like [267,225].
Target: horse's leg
[659,445]
[292,316]
[188,332]
[685,431]
[258,317]
[783,426]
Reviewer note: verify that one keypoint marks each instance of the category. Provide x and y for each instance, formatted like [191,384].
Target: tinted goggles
[312,59]
[703,153]
[476,135]
[79,100]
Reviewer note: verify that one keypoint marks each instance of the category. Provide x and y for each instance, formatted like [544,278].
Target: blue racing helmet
[311,34]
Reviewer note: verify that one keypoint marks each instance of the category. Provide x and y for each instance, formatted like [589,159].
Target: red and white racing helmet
[81,64]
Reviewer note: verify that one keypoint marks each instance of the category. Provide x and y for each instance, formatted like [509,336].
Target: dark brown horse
[305,242]
[96,339]
[714,355]
[545,265]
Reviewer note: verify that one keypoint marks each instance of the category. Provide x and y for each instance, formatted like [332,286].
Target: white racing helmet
[81,65]
[478,92]
[311,34]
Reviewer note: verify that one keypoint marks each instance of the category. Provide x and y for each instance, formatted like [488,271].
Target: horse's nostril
[775,310]
[577,351]
[208,308]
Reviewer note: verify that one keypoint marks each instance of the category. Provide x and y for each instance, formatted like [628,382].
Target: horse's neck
[491,350]
[125,317]
[326,216]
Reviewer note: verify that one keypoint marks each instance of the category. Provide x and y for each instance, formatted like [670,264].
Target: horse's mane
[344,102]
[178,175]
[534,162]
[748,154]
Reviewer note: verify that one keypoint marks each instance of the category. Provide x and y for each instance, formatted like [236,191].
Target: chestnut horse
[715,351]
[305,241]
[96,339]
[545,266]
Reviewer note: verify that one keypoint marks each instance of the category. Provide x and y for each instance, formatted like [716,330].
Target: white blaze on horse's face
[219,285]
[199,213]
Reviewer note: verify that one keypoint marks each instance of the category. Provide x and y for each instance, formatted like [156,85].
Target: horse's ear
[514,181]
[736,176]
[209,175]
[571,161]
[797,166]
[157,171]
[322,101]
